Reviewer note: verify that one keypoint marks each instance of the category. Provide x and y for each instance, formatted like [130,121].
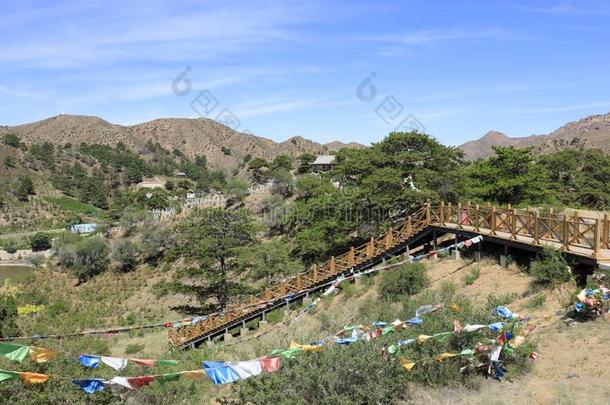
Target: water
[14,271]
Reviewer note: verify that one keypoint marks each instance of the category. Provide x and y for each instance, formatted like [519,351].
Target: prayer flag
[90,385]
[33,378]
[42,355]
[246,369]
[406,364]
[14,351]
[89,361]
[117,363]
[219,372]
[270,364]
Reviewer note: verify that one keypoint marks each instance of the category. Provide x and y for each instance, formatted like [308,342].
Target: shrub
[40,241]
[125,256]
[85,258]
[472,276]
[8,316]
[133,348]
[408,279]
[9,247]
[550,268]
[536,301]
[335,375]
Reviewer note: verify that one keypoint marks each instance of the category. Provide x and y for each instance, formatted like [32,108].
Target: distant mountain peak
[592,131]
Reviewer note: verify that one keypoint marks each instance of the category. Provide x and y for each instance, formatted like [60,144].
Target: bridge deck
[586,238]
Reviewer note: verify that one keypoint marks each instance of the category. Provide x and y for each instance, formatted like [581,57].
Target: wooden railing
[577,234]
[316,275]
[582,235]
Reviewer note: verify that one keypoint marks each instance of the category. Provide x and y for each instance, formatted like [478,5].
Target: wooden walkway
[586,238]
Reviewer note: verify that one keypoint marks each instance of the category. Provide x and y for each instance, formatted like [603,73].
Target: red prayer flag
[270,364]
[139,382]
[144,363]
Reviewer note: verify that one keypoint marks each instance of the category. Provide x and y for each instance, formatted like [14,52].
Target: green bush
[85,258]
[133,348]
[40,241]
[405,280]
[550,268]
[125,256]
[8,316]
[472,276]
[336,375]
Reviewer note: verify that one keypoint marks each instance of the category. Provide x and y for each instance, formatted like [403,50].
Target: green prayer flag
[14,351]
[167,363]
[288,353]
[8,375]
[387,329]
[441,337]
[467,352]
[392,349]
[169,377]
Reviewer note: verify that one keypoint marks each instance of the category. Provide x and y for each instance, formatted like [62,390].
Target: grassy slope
[569,355]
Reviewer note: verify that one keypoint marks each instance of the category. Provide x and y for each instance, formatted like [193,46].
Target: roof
[324,160]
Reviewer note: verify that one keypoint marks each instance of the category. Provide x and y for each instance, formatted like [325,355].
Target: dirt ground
[573,367]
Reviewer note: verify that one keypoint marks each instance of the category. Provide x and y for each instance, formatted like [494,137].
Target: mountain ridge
[592,131]
[223,147]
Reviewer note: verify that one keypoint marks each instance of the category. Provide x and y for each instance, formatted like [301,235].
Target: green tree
[259,170]
[209,239]
[269,261]
[25,188]
[283,183]
[509,177]
[12,140]
[281,162]
[236,191]
[40,242]
[305,161]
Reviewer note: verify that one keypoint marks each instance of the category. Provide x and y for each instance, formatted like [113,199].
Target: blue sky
[285,68]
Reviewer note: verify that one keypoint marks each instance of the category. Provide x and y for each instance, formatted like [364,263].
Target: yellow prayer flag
[444,356]
[33,378]
[517,341]
[454,308]
[295,345]
[407,364]
[42,355]
[422,338]
[193,375]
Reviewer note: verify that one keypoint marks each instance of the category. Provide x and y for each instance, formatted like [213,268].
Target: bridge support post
[504,257]
[227,336]
[455,254]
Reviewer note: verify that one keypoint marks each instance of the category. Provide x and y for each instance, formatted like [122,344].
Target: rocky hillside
[223,147]
[592,132]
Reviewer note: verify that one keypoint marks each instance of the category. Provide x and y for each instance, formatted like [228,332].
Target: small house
[83,229]
[323,163]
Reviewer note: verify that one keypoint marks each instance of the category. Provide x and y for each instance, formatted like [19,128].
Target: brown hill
[223,147]
[592,132]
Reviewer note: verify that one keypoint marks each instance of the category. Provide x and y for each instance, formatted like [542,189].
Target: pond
[7,271]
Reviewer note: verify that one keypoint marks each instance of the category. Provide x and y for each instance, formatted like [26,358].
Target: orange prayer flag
[42,355]
[33,378]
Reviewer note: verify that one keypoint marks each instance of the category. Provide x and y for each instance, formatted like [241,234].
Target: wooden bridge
[587,240]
